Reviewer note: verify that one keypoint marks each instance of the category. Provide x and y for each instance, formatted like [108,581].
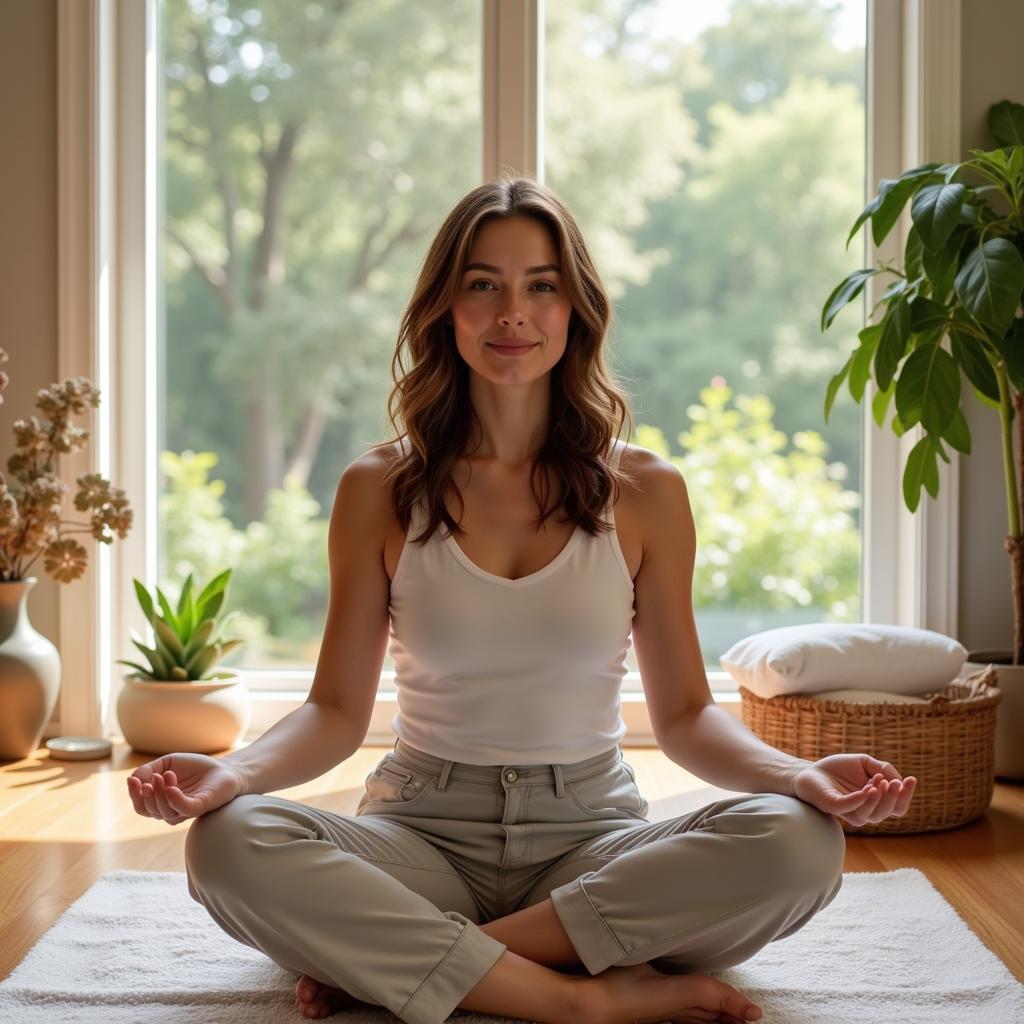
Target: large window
[714,154]
[311,150]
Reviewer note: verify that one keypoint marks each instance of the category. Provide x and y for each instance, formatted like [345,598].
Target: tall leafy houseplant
[962,279]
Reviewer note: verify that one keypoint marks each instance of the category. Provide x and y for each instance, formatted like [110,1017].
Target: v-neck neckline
[533,577]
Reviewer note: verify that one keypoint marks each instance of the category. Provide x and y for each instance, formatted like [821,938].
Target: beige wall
[990,53]
[28,282]
[28,221]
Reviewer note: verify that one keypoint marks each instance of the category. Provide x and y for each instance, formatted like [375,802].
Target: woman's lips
[512,350]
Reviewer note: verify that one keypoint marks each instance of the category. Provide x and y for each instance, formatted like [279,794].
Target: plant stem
[1013,540]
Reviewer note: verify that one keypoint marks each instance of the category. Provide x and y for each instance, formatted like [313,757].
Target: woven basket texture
[947,744]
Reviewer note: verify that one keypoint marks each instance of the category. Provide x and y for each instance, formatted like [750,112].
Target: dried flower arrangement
[30,523]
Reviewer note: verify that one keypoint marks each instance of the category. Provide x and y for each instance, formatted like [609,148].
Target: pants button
[511,775]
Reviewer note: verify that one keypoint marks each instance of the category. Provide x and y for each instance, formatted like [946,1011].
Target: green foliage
[963,278]
[281,577]
[775,530]
[184,647]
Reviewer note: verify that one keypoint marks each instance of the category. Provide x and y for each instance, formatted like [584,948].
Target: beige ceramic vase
[186,717]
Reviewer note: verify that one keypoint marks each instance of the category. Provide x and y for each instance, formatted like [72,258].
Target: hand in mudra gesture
[857,788]
[176,787]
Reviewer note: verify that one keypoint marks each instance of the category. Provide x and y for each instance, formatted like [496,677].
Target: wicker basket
[947,744]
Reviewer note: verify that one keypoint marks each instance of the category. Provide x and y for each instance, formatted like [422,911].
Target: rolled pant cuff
[470,957]
[595,943]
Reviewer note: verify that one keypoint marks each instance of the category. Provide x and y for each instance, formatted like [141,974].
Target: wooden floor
[63,824]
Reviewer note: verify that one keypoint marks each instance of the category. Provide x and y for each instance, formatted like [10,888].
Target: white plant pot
[1009,763]
[184,717]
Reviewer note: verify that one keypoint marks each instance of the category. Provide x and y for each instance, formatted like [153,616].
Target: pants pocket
[609,794]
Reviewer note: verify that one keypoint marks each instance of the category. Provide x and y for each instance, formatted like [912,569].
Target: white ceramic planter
[197,717]
[1009,762]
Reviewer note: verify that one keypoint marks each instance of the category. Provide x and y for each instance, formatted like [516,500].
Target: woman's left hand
[855,787]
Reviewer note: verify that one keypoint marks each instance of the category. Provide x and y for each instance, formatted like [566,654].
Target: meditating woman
[501,859]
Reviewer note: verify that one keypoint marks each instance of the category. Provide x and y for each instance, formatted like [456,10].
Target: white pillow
[867,697]
[816,656]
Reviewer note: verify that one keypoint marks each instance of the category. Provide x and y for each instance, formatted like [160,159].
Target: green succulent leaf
[161,666]
[201,661]
[186,613]
[143,671]
[212,595]
[170,639]
[169,617]
[145,601]
[200,638]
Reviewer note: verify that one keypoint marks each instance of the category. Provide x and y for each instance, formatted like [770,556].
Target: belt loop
[559,784]
[442,782]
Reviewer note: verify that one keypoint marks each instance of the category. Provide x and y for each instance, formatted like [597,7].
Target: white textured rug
[136,948]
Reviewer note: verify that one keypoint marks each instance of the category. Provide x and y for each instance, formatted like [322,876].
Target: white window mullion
[512,70]
[136,339]
[85,259]
[910,559]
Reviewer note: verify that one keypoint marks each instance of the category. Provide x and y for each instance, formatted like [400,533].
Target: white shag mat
[136,948]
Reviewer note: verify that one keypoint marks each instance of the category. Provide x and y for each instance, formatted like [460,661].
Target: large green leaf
[880,403]
[921,470]
[936,211]
[893,343]
[834,385]
[1006,123]
[846,291]
[928,389]
[971,355]
[958,434]
[860,368]
[990,282]
[1011,348]
[940,266]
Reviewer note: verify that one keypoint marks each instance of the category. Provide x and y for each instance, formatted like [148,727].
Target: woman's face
[511,289]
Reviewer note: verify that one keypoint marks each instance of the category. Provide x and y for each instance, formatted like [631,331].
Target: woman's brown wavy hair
[588,403]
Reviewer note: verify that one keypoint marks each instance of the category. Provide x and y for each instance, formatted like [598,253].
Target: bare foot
[640,994]
[319,1000]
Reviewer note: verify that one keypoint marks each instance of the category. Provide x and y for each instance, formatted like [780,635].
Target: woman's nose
[509,318]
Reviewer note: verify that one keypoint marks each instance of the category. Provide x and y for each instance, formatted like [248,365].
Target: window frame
[109,92]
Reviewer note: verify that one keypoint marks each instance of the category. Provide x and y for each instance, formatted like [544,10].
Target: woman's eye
[547,286]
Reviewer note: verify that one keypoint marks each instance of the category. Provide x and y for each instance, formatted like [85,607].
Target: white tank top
[494,671]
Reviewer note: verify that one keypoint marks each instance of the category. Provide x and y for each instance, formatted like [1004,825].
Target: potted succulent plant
[32,526]
[962,279]
[177,703]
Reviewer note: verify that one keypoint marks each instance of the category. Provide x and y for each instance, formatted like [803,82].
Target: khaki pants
[386,903]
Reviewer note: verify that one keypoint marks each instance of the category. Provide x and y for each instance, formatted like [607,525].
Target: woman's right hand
[176,787]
